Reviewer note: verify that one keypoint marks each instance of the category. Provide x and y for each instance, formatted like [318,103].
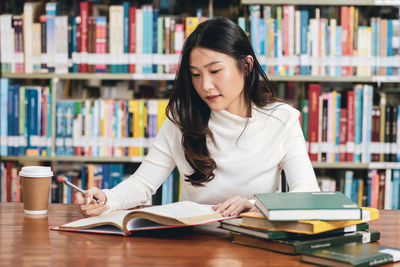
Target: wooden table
[27,241]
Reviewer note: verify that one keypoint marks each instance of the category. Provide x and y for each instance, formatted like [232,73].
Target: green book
[293,246]
[353,254]
[295,206]
[234,225]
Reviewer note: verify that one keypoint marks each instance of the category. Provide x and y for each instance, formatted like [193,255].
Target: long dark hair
[190,113]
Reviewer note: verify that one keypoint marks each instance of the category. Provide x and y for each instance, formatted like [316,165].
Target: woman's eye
[195,75]
[214,71]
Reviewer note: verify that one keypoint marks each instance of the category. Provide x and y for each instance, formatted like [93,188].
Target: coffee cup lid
[36,171]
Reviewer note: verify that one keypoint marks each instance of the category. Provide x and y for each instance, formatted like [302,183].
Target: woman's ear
[248,64]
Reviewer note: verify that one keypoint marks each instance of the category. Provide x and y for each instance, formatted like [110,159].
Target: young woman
[226,132]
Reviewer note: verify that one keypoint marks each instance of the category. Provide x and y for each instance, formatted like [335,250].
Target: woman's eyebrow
[207,65]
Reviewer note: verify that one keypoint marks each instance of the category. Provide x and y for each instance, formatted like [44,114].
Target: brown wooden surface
[27,241]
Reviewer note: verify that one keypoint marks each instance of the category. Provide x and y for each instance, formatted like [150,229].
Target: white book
[6,43]
[116,40]
[31,14]
[61,59]
[139,38]
[314,32]
[366,123]
[388,190]
[332,52]
[36,47]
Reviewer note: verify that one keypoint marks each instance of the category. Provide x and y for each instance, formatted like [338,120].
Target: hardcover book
[125,222]
[257,220]
[235,225]
[295,206]
[352,254]
[294,246]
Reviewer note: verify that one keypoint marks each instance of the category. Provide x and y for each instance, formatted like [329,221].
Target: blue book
[116,174]
[125,67]
[74,49]
[389,47]
[354,190]
[32,119]
[378,42]
[348,183]
[338,49]
[254,28]
[155,34]
[147,35]
[10,120]
[84,177]
[395,189]
[16,120]
[262,41]
[4,84]
[51,13]
[374,51]
[242,23]
[398,134]
[106,176]
[304,69]
[59,145]
[49,121]
[358,92]
[22,127]
[69,110]
[369,184]
[276,28]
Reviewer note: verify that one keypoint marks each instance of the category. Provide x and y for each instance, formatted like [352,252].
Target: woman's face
[218,80]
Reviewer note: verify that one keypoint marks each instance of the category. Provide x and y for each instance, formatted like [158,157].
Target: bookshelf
[324,2]
[279,19]
[171,77]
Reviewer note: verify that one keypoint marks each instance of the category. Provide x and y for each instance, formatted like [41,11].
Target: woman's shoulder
[280,110]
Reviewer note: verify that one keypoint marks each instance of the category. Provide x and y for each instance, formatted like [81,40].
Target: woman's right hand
[87,205]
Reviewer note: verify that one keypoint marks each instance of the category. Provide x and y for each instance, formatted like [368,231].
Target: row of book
[374,188]
[353,125]
[321,233]
[336,42]
[91,127]
[102,176]
[129,39]
[125,39]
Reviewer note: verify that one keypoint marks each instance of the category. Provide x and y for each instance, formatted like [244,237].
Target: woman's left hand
[234,206]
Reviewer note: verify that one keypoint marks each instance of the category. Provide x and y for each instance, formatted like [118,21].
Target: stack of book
[307,223]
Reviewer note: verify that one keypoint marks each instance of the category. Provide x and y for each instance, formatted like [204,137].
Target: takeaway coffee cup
[35,181]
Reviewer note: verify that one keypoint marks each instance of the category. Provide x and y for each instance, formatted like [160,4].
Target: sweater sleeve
[138,188]
[296,163]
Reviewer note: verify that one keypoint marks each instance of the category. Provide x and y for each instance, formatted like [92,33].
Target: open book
[124,222]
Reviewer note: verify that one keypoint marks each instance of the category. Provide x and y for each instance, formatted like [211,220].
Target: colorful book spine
[4,88]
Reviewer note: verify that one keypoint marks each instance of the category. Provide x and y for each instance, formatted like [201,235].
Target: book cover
[314,91]
[352,254]
[235,225]
[258,220]
[125,222]
[294,246]
[307,206]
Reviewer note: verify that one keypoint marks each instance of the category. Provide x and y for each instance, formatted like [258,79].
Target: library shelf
[324,2]
[137,159]
[171,76]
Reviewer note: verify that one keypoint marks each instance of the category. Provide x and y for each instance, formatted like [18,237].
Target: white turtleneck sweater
[249,152]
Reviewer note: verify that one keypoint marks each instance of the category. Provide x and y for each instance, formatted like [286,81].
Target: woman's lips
[213,97]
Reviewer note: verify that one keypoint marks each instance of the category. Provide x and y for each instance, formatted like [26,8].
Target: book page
[180,210]
[116,217]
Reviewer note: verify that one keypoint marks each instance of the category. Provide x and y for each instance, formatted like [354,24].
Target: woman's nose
[207,83]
